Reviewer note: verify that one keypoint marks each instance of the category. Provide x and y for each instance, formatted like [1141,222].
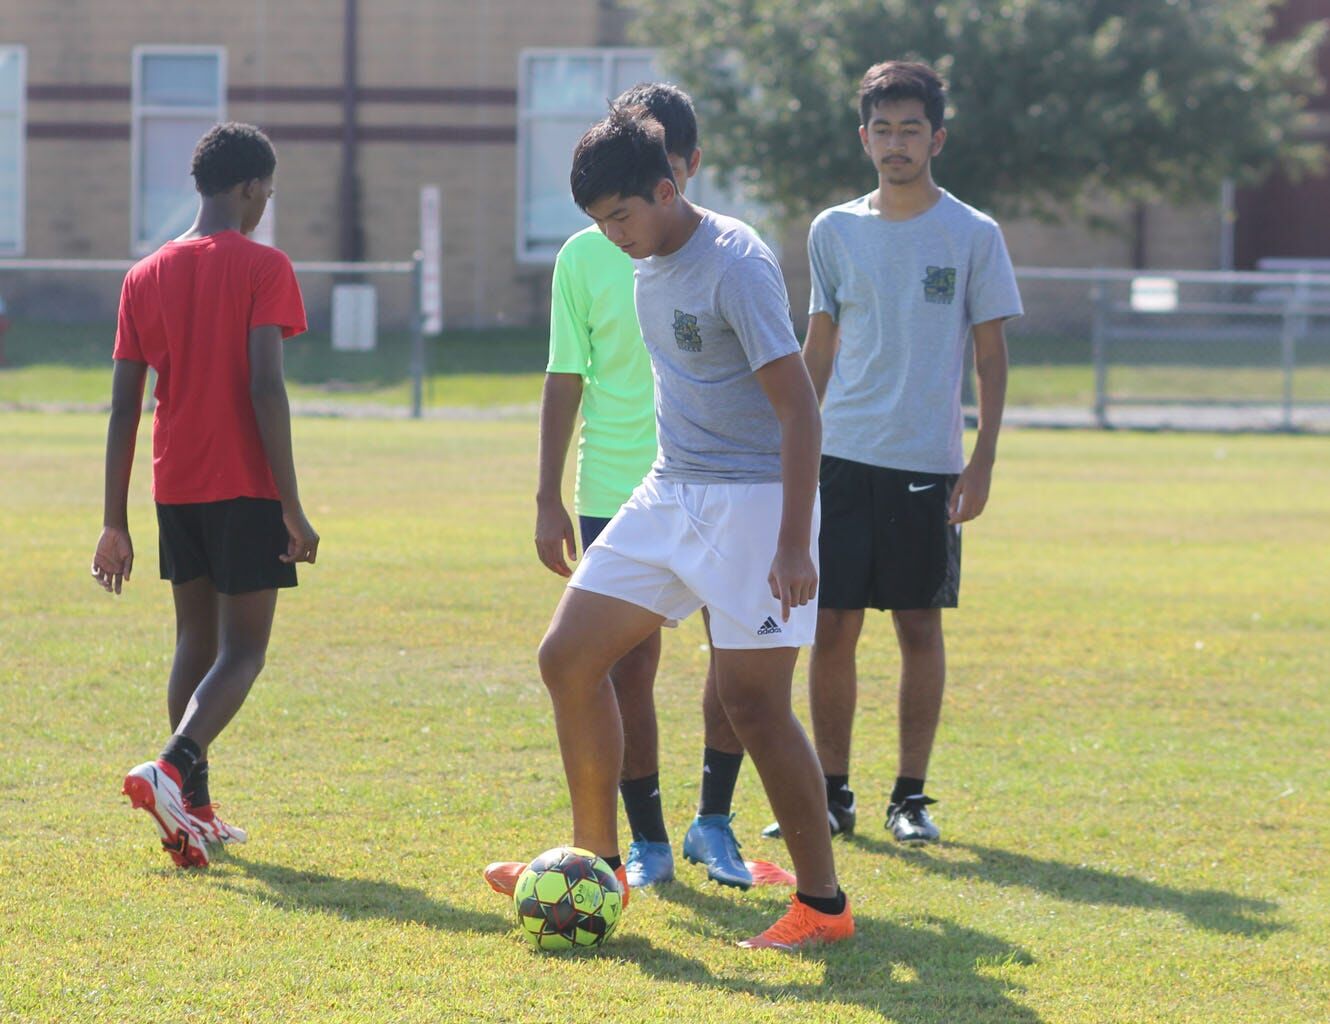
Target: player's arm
[820,346]
[272,410]
[785,381]
[970,494]
[114,557]
[559,402]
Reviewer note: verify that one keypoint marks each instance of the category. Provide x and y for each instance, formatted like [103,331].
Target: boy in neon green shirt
[598,359]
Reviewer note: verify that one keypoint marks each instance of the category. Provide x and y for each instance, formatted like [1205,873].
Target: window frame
[21,130]
[527,254]
[141,111]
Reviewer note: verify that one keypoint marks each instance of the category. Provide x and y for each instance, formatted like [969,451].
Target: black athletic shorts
[885,542]
[234,543]
[591,527]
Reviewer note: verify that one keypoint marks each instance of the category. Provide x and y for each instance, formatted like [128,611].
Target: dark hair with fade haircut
[671,106]
[621,155]
[229,154]
[903,80]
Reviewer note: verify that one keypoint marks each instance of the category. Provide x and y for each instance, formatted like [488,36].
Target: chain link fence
[364,351]
[1212,350]
[1106,348]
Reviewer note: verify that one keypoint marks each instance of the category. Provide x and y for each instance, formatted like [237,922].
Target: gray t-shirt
[905,294]
[711,313]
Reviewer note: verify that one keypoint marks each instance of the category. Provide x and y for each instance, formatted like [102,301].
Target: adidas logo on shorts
[768,627]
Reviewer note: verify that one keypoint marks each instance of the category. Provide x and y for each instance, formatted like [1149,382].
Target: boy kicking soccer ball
[726,519]
[209,311]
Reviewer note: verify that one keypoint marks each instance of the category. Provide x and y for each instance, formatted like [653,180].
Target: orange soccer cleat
[802,926]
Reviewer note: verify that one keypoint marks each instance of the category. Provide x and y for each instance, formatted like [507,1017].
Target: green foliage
[1053,103]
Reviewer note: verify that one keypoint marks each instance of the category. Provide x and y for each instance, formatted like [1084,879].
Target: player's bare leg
[710,839]
[195,643]
[588,634]
[832,696]
[923,679]
[650,859]
[833,685]
[244,625]
[754,687]
[633,677]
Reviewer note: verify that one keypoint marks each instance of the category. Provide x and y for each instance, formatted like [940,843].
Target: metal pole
[1098,344]
[417,333]
[1288,350]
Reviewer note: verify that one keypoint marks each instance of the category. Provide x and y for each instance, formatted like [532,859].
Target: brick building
[101,101]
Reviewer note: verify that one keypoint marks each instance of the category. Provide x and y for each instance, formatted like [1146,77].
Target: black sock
[195,789]
[720,772]
[641,799]
[825,904]
[906,788]
[838,790]
[615,862]
[181,753]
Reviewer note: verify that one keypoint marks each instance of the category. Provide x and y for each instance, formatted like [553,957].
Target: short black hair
[229,154]
[903,80]
[621,155]
[672,107]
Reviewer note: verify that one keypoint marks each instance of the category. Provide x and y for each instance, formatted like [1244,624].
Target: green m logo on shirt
[940,285]
[686,332]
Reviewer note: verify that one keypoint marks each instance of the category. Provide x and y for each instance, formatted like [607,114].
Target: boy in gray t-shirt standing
[900,278]
[726,518]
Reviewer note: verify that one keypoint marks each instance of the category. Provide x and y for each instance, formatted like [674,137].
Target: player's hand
[555,538]
[793,579]
[302,543]
[113,559]
[970,494]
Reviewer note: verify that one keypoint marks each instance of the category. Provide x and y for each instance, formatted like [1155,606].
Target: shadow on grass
[361,898]
[929,970]
[1210,909]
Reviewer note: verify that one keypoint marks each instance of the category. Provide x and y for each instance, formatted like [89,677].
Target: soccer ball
[567,897]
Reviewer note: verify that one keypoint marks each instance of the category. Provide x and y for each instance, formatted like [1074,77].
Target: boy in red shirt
[209,311]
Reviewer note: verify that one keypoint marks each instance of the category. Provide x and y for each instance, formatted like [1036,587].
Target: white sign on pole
[431,248]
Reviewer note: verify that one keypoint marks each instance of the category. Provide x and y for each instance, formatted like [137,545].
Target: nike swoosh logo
[916,488]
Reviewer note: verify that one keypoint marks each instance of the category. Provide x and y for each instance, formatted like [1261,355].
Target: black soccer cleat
[839,816]
[910,822]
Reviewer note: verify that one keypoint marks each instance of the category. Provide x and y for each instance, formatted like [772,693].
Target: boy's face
[900,141]
[632,223]
[254,197]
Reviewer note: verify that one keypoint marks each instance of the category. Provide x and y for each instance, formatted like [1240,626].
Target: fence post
[417,333]
[1291,323]
[1098,344]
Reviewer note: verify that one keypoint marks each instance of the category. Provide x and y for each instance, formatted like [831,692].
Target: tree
[1052,103]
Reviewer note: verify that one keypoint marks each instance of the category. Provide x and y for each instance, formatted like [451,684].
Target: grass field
[1131,769]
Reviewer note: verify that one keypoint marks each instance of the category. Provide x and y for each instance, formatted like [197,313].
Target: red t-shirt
[187,311]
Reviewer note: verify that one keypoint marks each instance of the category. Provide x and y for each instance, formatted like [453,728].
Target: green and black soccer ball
[567,898]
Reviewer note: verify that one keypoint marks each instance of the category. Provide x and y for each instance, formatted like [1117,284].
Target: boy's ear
[665,190]
[694,162]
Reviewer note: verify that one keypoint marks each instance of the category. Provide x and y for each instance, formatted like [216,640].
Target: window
[179,93]
[561,93]
[13,132]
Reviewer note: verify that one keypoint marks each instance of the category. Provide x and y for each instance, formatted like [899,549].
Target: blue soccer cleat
[710,841]
[649,863]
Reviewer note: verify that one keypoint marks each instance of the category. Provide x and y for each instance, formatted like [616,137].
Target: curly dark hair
[229,154]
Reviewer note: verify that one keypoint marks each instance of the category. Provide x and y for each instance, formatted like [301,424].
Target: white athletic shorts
[675,547]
